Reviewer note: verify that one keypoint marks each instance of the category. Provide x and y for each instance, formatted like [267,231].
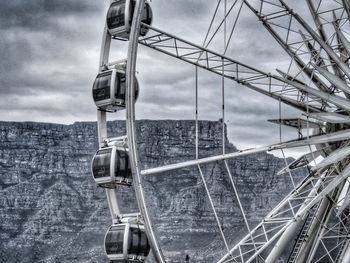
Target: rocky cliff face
[52,211]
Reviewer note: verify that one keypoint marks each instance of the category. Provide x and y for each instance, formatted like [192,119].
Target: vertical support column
[131,129]
[113,204]
[197,139]
[288,170]
[280,118]
[223,81]
[223,107]
[101,127]
[105,47]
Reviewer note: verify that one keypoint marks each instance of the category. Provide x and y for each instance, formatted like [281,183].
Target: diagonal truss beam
[257,80]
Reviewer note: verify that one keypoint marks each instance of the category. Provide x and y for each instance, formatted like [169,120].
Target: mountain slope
[52,211]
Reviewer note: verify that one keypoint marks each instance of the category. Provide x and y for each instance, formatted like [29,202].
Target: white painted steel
[341,205]
[320,218]
[281,245]
[275,81]
[334,99]
[334,79]
[302,161]
[331,117]
[321,186]
[320,139]
[345,202]
[321,231]
[102,124]
[285,45]
[131,129]
[285,223]
[342,38]
[334,157]
[345,68]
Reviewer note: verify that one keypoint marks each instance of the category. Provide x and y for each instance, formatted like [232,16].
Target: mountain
[52,210]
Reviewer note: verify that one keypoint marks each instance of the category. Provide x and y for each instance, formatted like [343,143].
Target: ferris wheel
[311,223]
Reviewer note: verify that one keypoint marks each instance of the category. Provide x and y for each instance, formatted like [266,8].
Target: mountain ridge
[52,211]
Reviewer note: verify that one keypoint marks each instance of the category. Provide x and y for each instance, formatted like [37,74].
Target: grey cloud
[49,54]
[180,10]
[47,108]
[38,13]
[52,60]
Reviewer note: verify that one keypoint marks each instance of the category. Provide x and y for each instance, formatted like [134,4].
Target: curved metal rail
[131,129]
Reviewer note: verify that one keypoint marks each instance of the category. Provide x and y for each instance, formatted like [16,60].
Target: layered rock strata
[52,211]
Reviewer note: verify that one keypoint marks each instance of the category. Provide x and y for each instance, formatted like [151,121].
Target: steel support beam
[318,221]
[318,139]
[345,68]
[250,77]
[321,30]
[284,240]
[102,123]
[334,79]
[347,10]
[336,156]
[301,64]
[334,99]
[291,222]
[289,233]
[344,41]
[322,229]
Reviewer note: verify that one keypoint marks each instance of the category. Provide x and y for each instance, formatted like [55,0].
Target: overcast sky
[49,54]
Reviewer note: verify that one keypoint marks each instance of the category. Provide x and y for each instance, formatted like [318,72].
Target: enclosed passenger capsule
[110,167]
[109,90]
[126,243]
[119,18]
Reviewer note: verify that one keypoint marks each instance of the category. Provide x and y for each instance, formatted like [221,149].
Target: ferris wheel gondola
[110,167]
[126,242]
[120,15]
[109,90]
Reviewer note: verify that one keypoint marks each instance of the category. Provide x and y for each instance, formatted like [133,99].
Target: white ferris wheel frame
[287,227]
[130,124]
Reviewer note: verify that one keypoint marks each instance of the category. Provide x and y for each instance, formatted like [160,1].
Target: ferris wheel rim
[138,167]
[131,124]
